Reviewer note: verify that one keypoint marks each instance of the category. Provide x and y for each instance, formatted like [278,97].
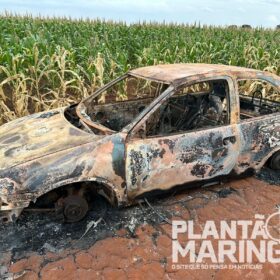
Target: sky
[264,13]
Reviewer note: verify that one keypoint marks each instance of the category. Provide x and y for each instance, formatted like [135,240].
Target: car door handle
[230,139]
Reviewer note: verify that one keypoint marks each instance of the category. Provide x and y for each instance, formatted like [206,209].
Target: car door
[162,161]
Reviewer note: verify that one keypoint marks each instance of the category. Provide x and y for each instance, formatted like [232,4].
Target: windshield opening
[116,106]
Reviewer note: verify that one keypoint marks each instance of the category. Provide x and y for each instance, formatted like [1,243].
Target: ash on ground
[44,232]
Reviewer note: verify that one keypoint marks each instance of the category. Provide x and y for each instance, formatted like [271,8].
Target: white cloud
[273,18]
[208,9]
[241,9]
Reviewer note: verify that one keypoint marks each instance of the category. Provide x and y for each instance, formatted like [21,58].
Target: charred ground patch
[36,230]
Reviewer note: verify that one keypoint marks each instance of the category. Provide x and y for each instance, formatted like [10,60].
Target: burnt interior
[256,106]
[71,115]
[201,106]
[194,106]
[117,115]
[118,105]
[257,98]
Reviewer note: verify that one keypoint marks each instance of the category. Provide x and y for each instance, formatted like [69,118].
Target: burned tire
[275,161]
[75,208]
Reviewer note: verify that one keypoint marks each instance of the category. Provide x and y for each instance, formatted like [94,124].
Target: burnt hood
[38,135]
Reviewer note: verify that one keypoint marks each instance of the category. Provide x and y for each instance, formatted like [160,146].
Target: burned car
[151,129]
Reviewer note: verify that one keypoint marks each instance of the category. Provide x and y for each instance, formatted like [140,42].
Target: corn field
[50,62]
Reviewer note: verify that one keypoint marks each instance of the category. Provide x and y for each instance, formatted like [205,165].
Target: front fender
[112,192]
[93,162]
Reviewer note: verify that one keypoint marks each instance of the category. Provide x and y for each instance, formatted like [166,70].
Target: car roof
[170,73]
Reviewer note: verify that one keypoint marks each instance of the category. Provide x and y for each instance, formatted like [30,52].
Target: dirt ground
[133,243]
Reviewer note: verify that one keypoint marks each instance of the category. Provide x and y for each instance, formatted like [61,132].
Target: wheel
[75,208]
[275,161]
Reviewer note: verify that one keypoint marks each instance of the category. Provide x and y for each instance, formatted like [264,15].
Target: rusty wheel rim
[75,208]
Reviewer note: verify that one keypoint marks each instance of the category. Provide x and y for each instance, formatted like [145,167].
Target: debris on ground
[41,234]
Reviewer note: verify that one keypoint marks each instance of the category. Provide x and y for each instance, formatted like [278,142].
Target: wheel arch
[105,188]
[268,157]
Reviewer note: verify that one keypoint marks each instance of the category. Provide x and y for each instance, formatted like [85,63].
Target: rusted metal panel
[259,139]
[173,73]
[44,151]
[36,136]
[162,162]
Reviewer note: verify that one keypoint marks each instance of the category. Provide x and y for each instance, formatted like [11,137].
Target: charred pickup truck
[151,129]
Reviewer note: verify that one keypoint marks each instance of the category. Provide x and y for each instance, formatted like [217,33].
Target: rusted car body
[122,150]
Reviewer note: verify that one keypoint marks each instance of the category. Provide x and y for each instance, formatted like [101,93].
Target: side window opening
[257,98]
[118,105]
[198,106]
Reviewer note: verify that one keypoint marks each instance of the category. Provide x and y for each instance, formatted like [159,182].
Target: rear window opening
[257,98]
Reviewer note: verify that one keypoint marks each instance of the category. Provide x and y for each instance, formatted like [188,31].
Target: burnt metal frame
[233,73]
